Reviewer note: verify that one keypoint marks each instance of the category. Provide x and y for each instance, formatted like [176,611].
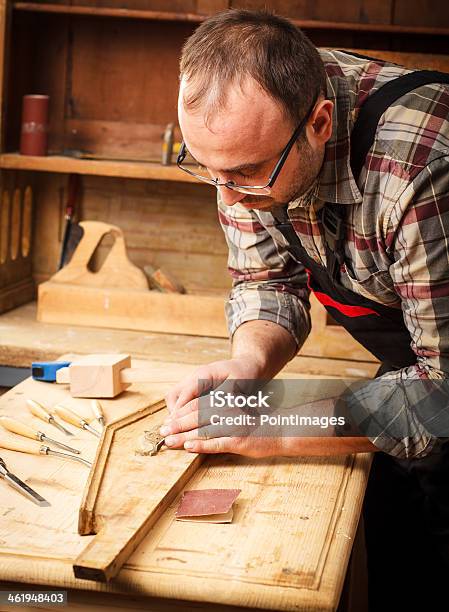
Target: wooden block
[95,375]
[121,516]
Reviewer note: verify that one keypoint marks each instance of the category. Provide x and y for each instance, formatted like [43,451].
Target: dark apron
[406,506]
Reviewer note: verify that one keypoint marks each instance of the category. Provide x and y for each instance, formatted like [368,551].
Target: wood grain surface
[287,548]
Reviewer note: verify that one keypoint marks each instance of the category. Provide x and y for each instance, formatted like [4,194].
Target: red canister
[33,137]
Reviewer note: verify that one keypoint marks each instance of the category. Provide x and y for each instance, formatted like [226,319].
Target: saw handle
[67,415]
[18,427]
[21,446]
[38,410]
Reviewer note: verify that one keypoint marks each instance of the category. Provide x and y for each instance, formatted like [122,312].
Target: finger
[191,406]
[180,425]
[192,388]
[178,440]
[171,398]
[213,446]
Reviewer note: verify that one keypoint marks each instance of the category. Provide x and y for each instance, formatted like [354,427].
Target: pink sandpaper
[206,501]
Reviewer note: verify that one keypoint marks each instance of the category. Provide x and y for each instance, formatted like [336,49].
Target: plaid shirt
[397,246]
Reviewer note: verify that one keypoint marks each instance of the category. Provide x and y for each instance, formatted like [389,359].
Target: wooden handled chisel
[34,448]
[42,413]
[98,412]
[20,486]
[21,429]
[74,419]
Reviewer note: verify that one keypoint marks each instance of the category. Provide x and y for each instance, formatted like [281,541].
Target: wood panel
[363,11]
[208,7]
[122,73]
[432,13]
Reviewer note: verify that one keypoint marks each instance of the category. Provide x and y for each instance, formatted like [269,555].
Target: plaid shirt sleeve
[267,283]
[406,413]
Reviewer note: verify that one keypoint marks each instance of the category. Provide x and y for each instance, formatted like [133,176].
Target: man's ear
[319,127]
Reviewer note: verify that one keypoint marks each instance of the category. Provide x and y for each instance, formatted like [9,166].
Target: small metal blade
[52,421]
[92,430]
[61,445]
[50,452]
[17,484]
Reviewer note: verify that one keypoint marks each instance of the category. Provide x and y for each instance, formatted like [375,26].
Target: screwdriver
[98,412]
[42,413]
[20,486]
[33,448]
[24,430]
[74,419]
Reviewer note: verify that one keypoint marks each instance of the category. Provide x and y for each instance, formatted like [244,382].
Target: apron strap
[364,131]
[362,137]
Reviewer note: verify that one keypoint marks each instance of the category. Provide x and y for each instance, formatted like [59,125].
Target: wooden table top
[286,549]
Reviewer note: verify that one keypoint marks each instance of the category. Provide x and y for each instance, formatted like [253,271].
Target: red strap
[345,309]
[348,311]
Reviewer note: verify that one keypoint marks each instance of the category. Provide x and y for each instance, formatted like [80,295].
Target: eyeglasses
[263,190]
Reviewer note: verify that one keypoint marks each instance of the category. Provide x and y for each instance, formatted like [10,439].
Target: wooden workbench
[287,548]
[23,340]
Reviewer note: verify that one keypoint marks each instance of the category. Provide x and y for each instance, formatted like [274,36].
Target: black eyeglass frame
[273,176]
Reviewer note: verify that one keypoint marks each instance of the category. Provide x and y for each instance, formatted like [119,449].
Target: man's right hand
[183,398]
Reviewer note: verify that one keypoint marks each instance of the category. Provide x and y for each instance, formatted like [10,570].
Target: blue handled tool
[46,370]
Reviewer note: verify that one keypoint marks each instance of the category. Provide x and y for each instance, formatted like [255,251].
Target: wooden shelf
[107,12]
[124,169]
[306,24]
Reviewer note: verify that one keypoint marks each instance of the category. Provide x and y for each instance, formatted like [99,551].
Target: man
[309,200]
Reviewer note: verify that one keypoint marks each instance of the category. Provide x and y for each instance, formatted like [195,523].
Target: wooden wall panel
[364,11]
[208,7]
[123,86]
[432,13]
[125,70]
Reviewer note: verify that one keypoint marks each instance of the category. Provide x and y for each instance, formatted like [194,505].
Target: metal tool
[24,430]
[34,448]
[46,370]
[20,486]
[98,412]
[42,413]
[150,443]
[75,419]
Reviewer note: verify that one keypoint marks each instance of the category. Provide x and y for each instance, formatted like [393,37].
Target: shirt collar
[335,182]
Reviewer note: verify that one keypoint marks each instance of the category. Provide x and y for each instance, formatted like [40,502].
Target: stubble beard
[301,181]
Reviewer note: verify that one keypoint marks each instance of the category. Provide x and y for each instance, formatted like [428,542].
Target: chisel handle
[67,415]
[96,409]
[18,427]
[21,446]
[38,410]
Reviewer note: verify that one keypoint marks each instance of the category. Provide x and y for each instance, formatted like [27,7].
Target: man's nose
[229,197]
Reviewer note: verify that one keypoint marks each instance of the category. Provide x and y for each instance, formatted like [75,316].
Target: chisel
[74,419]
[34,448]
[42,413]
[20,486]
[98,412]
[24,430]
